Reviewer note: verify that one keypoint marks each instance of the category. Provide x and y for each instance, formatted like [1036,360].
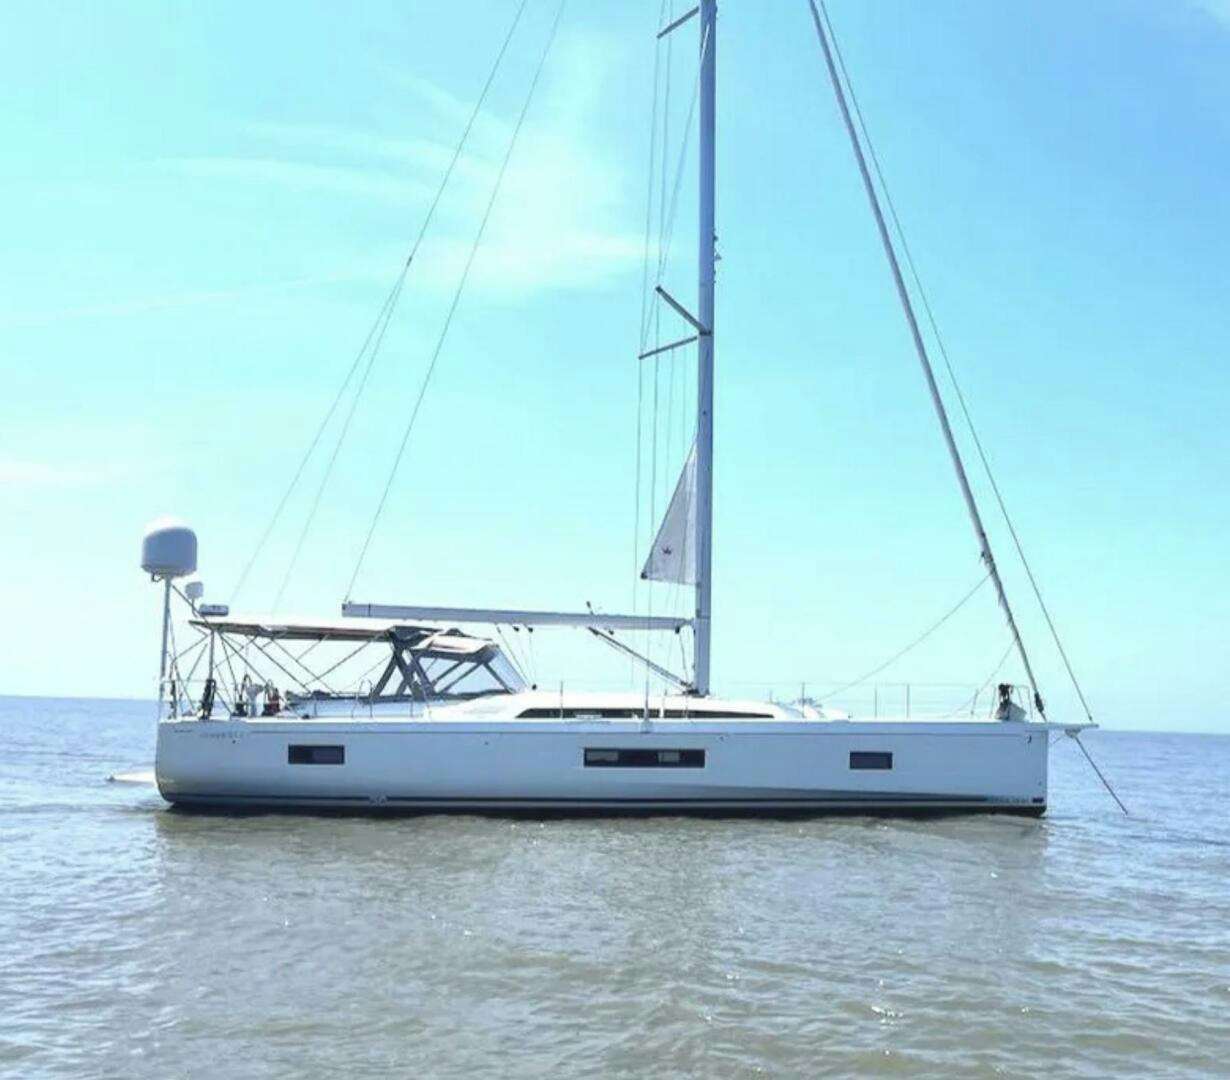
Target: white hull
[460,759]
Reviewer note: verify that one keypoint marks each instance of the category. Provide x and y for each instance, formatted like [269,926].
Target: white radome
[168,549]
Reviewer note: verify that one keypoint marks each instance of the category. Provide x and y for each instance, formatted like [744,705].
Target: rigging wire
[277,513]
[651,313]
[662,226]
[364,675]
[920,348]
[1075,736]
[341,438]
[640,366]
[517,655]
[668,83]
[377,331]
[431,367]
[172,667]
[229,667]
[913,644]
[973,701]
[636,499]
[656,322]
[668,212]
[653,484]
[349,656]
[935,330]
[665,246]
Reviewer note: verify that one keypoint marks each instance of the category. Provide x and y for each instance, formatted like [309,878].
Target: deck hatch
[602,757]
[871,759]
[315,755]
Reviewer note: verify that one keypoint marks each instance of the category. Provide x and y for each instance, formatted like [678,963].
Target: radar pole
[166,627]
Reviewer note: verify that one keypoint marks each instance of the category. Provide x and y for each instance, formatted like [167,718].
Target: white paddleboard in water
[138,776]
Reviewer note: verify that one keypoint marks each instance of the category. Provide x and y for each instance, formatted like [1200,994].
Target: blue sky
[207,204]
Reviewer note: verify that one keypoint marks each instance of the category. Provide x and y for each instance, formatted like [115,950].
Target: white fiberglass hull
[471,763]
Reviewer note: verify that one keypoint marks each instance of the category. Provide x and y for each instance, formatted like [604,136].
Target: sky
[207,204]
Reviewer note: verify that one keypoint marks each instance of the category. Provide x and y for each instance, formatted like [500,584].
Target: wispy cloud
[144,305]
[562,220]
[41,474]
[411,163]
[449,113]
[1219,10]
[303,176]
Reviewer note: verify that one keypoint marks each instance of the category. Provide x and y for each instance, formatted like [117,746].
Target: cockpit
[277,666]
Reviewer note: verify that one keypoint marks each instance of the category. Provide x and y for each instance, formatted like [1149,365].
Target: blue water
[140,942]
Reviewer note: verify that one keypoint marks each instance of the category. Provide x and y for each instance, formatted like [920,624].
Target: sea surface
[136,941]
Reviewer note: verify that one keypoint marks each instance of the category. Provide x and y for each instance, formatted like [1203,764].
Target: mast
[704,394]
[980,533]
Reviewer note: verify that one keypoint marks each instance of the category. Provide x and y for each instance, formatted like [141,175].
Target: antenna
[168,551]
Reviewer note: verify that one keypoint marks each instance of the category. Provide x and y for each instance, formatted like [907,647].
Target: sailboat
[445,718]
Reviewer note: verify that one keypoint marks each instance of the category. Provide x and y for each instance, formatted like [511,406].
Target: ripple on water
[145,943]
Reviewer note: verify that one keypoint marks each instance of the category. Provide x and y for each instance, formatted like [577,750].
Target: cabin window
[871,759]
[567,713]
[603,757]
[316,755]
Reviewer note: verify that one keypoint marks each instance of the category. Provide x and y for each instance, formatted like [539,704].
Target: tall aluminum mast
[704,394]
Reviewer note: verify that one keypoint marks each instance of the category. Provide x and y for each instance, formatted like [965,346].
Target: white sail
[673,555]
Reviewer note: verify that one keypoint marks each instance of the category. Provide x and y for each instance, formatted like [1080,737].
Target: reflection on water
[156,943]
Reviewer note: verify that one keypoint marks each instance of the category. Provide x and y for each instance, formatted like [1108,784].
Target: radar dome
[168,549]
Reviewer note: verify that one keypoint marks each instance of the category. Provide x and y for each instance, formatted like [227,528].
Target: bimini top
[421,663]
[284,628]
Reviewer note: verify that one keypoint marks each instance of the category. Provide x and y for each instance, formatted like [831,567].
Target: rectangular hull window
[644,759]
[636,714]
[316,755]
[870,759]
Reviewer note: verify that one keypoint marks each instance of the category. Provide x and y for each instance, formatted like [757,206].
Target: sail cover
[673,555]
